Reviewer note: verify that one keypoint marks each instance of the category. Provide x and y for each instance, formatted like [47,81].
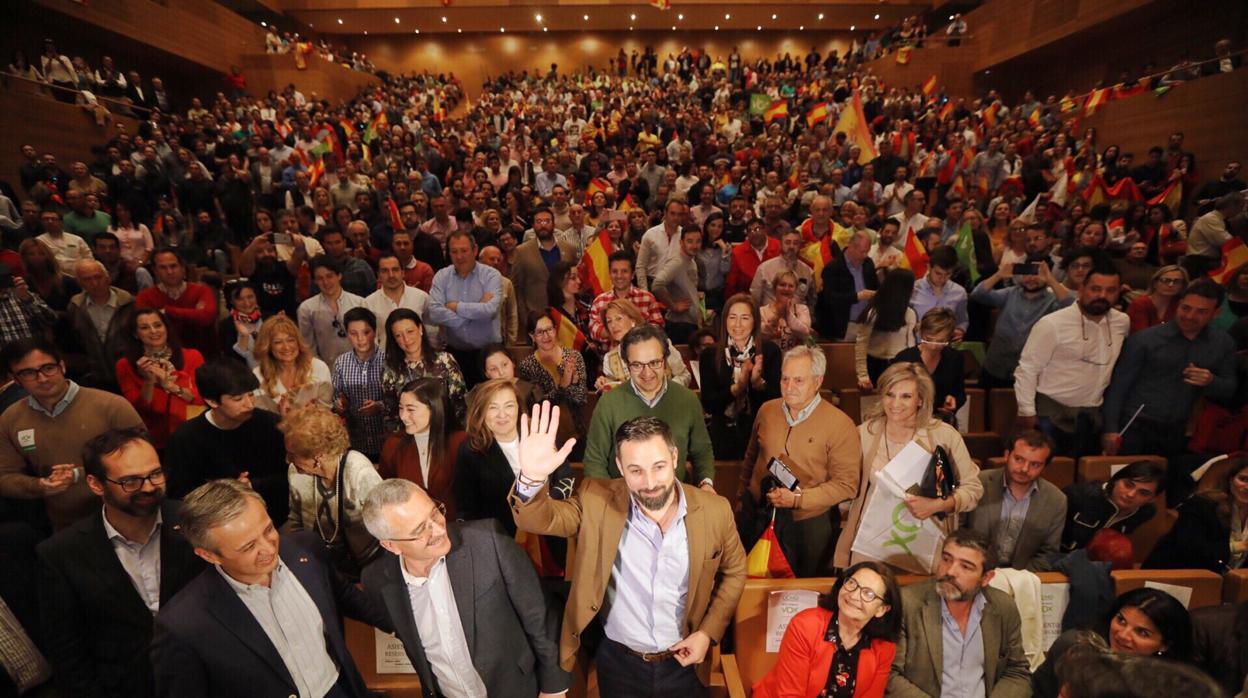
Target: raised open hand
[538,455]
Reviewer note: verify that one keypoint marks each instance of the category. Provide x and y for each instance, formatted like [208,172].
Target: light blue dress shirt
[951,296]
[472,324]
[963,673]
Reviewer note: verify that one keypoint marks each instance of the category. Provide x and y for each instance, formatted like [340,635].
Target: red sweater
[165,413]
[193,315]
[745,262]
[805,659]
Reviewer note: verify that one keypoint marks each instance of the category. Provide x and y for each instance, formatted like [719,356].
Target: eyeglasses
[46,370]
[851,586]
[134,483]
[1170,281]
[933,343]
[637,366]
[542,332]
[337,325]
[438,515]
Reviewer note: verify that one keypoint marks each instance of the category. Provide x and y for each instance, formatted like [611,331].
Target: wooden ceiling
[374,17]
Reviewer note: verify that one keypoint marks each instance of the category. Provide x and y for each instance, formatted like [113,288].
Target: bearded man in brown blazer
[530,268]
[659,566]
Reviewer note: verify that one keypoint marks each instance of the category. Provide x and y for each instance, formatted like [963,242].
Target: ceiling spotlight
[365,32]
[716,27]
[802,28]
[632,18]
[727,16]
[537,17]
[773,16]
[545,29]
[264,24]
[396,20]
[585,17]
[680,18]
[759,27]
[673,27]
[459,31]
[417,31]
[444,19]
[951,18]
[630,29]
[877,15]
[340,21]
[821,16]
[851,27]
[502,30]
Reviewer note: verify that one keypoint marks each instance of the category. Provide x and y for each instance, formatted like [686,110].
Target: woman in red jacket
[843,647]
[157,375]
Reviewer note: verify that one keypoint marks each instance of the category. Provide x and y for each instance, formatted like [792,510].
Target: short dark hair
[1033,438]
[221,377]
[168,250]
[1205,288]
[622,256]
[360,314]
[1102,265]
[642,429]
[944,257]
[460,233]
[970,538]
[543,209]
[886,627]
[105,236]
[327,262]
[111,441]
[1142,471]
[17,350]
[642,333]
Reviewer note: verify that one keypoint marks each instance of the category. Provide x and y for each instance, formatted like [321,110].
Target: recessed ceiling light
[877,15]
[417,31]
[673,27]
[340,21]
[759,27]
[630,29]
[773,16]
[502,30]
[459,31]
[716,27]
[820,15]
[585,17]
[545,29]
[396,20]
[727,16]
[537,17]
[802,28]
[950,17]
[444,19]
[851,27]
[633,18]
[365,32]
[680,18]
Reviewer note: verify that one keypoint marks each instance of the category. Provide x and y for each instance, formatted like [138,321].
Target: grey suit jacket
[500,605]
[919,662]
[1039,543]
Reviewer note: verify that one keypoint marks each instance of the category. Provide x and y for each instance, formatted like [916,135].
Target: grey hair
[859,236]
[212,504]
[386,494]
[818,360]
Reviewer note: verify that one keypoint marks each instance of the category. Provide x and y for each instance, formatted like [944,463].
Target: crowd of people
[312,344]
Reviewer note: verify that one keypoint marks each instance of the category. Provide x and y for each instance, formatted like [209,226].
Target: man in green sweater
[649,393]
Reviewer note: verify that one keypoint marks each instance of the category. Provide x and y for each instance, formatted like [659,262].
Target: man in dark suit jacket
[1033,540]
[841,291]
[477,571]
[529,268]
[102,579]
[266,620]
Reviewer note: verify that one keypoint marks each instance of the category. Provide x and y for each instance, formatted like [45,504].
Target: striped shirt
[293,623]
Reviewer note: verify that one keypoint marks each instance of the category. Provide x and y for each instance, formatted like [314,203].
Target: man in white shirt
[658,241]
[393,294]
[465,599]
[912,217]
[67,248]
[896,192]
[1067,363]
[790,245]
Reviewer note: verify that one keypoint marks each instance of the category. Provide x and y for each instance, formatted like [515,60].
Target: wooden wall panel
[1004,29]
[64,130]
[1209,112]
[330,81]
[950,64]
[472,57]
[202,31]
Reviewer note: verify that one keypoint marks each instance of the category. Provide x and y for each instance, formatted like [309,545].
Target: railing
[39,88]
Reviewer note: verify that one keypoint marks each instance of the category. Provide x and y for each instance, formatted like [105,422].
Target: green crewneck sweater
[679,407]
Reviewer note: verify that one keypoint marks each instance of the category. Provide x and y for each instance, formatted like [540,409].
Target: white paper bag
[888,533]
[1183,594]
[781,607]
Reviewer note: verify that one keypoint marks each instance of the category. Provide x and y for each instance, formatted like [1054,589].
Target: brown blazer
[871,433]
[529,275]
[401,458]
[596,516]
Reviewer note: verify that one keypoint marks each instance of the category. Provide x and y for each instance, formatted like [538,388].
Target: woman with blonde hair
[1161,301]
[488,461]
[786,319]
[328,485]
[905,414]
[620,316]
[290,374]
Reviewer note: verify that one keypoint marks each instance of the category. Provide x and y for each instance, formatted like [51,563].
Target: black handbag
[941,477]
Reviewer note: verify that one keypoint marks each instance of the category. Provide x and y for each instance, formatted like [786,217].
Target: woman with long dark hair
[886,326]
[737,376]
[844,647]
[425,447]
[157,375]
[1211,532]
[409,356]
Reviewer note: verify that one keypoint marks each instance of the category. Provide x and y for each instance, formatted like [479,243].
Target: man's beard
[949,590]
[657,502]
[1096,308]
[140,504]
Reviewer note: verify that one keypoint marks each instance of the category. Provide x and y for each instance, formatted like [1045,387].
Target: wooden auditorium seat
[1205,585]
[1002,411]
[976,410]
[983,446]
[1235,586]
[1099,468]
[1060,471]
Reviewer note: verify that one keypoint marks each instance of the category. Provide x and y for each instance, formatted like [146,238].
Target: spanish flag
[377,126]
[1171,197]
[315,172]
[596,185]
[990,115]
[396,221]
[929,85]
[1234,256]
[661,4]
[627,204]
[817,113]
[945,111]
[913,256]
[819,254]
[567,334]
[903,55]
[779,109]
[766,559]
[1095,99]
[347,127]
[853,123]
[595,263]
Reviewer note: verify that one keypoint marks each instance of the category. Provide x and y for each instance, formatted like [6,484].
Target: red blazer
[401,458]
[745,262]
[165,413]
[805,659]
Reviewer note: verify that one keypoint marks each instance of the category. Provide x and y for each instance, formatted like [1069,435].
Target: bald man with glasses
[463,597]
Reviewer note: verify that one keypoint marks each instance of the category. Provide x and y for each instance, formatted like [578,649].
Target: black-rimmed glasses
[134,483]
[851,586]
[655,365]
[29,374]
